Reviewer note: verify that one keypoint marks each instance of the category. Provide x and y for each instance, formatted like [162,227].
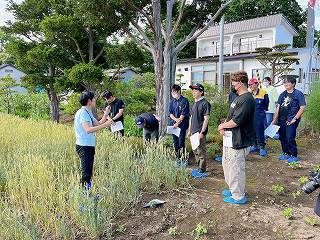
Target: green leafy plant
[295,165]
[302,180]
[296,194]
[312,221]
[206,206]
[200,230]
[173,231]
[287,213]
[121,228]
[317,168]
[277,189]
[180,205]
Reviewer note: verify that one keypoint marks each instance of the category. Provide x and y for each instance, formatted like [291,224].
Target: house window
[203,74]
[8,71]
[248,44]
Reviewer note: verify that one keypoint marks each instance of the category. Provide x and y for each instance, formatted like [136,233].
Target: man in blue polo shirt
[291,106]
[84,126]
[179,117]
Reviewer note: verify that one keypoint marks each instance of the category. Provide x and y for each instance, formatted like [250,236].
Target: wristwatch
[295,118]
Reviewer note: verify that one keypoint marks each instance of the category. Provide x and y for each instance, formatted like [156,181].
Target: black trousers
[86,154]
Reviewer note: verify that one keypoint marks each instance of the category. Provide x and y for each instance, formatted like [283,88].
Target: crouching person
[238,133]
[150,125]
[85,125]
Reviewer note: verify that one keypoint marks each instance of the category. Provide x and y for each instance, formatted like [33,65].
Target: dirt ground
[261,218]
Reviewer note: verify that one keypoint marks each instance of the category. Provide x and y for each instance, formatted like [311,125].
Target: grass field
[41,197]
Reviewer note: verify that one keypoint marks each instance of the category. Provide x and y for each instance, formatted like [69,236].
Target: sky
[5,16]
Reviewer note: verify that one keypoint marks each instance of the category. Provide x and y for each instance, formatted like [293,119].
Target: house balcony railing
[235,48]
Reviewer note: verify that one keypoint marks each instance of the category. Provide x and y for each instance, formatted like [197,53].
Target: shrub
[131,130]
[313,111]
[73,104]
[35,106]
[139,94]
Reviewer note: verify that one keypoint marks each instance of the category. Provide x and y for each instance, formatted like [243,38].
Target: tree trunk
[54,105]
[90,44]
[158,66]
[53,98]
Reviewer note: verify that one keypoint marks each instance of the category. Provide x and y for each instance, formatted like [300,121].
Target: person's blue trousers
[179,142]
[259,122]
[269,118]
[288,138]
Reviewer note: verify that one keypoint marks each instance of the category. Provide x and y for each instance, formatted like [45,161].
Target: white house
[241,40]
[8,69]
[125,73]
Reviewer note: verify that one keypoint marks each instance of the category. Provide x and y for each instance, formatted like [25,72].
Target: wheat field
[41,197]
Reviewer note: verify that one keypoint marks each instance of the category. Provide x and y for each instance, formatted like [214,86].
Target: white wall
[184,69]
[282,35]
[16,75]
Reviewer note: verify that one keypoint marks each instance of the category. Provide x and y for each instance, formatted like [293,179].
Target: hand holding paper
[116,127]
[174,131]
[272,130]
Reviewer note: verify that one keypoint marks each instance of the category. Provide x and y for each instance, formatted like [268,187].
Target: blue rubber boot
[293,159]
[284,157]
[233,201]
[263,152]
[196,173]
[226,193]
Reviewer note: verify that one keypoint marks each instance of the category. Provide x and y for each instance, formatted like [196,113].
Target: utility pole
[221,83]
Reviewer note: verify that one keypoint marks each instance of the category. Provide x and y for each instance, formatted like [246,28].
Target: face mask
[266,84]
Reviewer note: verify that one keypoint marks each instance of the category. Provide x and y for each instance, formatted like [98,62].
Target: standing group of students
[243,130]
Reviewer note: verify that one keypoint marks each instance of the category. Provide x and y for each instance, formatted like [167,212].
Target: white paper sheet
[172,130]
[116,127]
[227,139]
[195,141]
[272,130]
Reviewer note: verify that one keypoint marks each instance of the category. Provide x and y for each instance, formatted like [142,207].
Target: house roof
[7,65]
[251,24]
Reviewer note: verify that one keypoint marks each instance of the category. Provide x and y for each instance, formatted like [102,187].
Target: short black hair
[85,96]
[268,79]
[290,79]
[107,94]
[176,87]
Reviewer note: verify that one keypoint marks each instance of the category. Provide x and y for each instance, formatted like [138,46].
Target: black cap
[197,86]
[107,94]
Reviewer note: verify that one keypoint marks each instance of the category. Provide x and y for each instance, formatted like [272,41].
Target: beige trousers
[234,168]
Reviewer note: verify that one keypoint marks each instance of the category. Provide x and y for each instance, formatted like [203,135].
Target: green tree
[41,59]
[162,19]
[248,9]
[276,60]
